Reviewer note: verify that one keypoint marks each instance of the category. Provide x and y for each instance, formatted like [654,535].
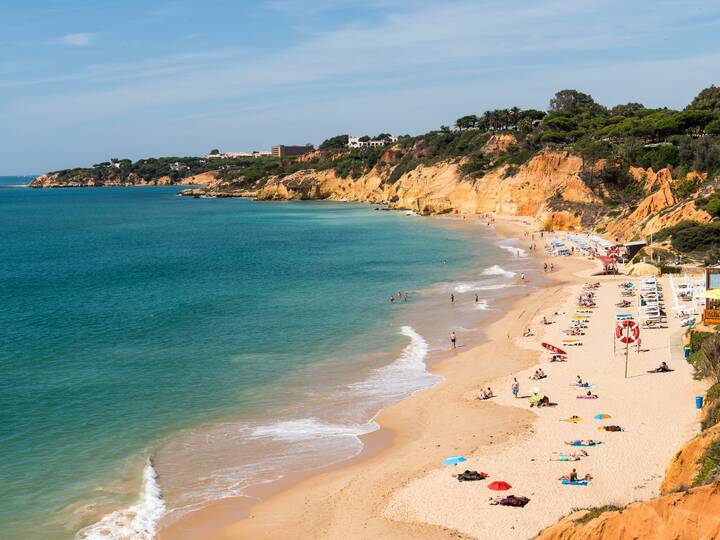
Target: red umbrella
[553,348]
[500,486]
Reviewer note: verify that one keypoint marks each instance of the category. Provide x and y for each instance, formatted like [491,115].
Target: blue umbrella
[454,460]
[601,416]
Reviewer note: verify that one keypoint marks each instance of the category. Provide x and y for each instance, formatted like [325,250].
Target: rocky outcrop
[689,515]
[202,179]
[531,189]
[659,209]
[54,180]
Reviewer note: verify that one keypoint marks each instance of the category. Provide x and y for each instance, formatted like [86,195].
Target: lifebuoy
[633,334]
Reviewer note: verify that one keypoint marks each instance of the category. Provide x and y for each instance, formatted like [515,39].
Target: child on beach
[515,387]
[453,340]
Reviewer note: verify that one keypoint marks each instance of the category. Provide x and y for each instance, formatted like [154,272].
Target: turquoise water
[130,317]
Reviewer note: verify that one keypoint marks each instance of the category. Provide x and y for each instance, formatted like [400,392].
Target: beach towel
[573,420]
[582,443]
[576,482]
[471,476]
[587,397]
[512,500]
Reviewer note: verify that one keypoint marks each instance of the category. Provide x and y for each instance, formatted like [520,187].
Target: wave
[483,305]
[497,270]
[518,252]
[479,286]
[406,374]
[138,522]
[309,428]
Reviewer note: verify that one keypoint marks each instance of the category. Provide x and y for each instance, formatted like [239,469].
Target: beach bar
[711,313]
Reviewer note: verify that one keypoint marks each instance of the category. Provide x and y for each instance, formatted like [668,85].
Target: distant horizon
[177,79]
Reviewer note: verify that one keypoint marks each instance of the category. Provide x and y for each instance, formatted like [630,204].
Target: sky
[82,81]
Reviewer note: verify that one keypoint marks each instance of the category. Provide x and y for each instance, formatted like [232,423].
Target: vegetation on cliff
[627,170]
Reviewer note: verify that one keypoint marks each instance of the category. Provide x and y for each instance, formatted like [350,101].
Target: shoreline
[210,520]
[403,492]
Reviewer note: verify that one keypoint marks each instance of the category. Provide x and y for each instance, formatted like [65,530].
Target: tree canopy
[707,100]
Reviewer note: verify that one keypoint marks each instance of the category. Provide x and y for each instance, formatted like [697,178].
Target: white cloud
[81,39]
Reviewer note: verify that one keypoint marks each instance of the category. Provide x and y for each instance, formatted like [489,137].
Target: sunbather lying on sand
[583,442]
[612,428]
[558,358]
[589,395]
[539,374]
[470,476]
[570,456]
[510,500]
[528,333]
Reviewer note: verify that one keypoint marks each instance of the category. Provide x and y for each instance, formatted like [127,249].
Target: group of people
[486,394]
[548,268]
[401,297]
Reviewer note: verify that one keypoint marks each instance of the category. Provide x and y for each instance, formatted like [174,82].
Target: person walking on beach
[453,340]
[545,267]
[515,387]
[522,276]
[477,298]
[452,298]
[552,267]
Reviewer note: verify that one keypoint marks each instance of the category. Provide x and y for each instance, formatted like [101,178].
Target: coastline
[401,490]
[397,429]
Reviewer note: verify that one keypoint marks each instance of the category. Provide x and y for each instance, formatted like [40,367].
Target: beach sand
[398,488]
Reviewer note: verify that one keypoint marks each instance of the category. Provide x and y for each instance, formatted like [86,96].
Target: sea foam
[518,252]
[497,270]
[138,522]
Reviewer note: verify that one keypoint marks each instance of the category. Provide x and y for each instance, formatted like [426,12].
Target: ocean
[161,352]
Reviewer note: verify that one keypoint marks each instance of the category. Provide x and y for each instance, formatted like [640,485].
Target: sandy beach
[398,487]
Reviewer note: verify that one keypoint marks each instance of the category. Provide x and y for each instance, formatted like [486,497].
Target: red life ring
[634,333]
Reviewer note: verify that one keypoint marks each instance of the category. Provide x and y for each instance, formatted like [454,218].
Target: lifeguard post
[711,314]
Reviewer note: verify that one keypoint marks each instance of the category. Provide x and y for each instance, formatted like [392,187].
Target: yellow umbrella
[713,294]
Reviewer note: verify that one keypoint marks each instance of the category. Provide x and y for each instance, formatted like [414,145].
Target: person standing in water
[392,298]
[406,298]
[522,276]
[453,340]
[452,298]
[477,298]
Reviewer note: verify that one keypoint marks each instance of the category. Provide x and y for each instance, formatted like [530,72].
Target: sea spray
[138,522]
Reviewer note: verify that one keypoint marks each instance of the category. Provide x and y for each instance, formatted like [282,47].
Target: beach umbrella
[499,486]
[454,460]
[601,416]
[552,348]
[713,294]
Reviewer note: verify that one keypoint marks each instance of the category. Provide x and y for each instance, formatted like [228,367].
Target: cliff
[547,187]
[689,515]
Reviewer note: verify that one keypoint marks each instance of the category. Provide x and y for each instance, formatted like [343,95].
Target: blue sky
[83,81]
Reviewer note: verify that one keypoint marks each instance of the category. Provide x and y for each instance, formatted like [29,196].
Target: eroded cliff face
[51,180]
[658,210]
[688,515]
[526,190]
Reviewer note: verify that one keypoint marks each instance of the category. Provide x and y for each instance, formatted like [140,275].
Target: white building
[355,142]
[226,155]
